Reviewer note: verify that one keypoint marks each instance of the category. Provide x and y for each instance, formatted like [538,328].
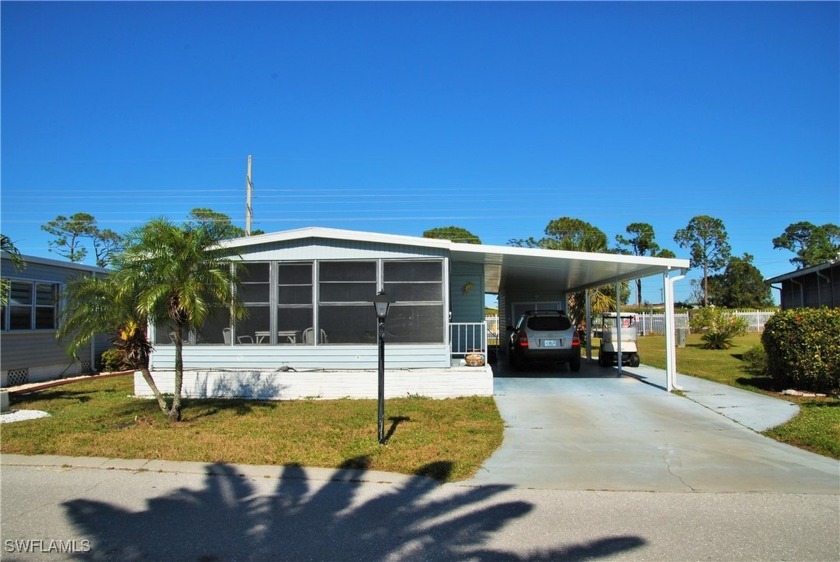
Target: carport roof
[505,268]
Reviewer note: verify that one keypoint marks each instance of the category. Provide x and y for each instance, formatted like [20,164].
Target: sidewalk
[750,409]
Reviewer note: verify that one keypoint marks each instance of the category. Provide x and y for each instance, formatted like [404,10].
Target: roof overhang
[803,271]
[506,268]
[35,260]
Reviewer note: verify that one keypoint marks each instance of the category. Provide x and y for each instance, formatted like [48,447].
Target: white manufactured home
[29,350]
[310,330]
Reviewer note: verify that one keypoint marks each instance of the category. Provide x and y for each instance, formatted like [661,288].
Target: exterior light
[381,303]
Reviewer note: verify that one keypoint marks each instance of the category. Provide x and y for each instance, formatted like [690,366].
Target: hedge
[803,348]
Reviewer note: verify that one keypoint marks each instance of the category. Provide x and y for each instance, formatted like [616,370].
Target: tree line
[73,236]
[727,281]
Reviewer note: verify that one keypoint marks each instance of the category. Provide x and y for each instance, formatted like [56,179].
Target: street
[225,512]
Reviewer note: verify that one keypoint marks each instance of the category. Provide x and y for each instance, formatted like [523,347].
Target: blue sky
[400,117]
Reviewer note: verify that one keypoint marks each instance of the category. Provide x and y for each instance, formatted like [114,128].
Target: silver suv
[544,336]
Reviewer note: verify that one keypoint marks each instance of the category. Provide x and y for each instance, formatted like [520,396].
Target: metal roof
[801,272]
[36,260]
[505,267]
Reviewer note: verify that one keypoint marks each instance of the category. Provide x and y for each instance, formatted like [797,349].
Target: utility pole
[249,189]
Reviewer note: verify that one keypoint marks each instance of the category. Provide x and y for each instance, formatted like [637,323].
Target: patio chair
[309,336]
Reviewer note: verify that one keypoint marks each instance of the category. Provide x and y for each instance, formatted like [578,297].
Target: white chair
[244,339]
[309,336]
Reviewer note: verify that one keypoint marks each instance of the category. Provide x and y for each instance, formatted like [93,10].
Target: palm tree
[176,274]
[9,247]
[96,306]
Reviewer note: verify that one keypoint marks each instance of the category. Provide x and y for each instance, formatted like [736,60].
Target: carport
[536,275]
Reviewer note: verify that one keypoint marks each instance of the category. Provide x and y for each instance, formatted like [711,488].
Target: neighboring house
[311,328]
[29,351]
[810,287]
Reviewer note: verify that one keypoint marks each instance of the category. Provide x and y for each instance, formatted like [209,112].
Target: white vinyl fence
[654,322]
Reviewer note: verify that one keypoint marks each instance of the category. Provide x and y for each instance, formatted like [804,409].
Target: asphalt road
[224,512]
[592,467]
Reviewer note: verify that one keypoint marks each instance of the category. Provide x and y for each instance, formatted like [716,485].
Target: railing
[467,337]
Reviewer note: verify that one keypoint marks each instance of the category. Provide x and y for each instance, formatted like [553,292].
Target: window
[294,302]
[31,306]
[216,327]
[345,314]
[416,288]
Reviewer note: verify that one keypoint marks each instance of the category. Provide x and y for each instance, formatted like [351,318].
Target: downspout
[588,325]
[779,288]
[830,286]
[670,325]
[93,342]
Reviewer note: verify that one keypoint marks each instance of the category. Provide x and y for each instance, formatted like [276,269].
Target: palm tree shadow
[229,518]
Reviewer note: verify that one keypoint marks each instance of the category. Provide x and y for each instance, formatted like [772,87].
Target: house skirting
[320,384]
[27,375]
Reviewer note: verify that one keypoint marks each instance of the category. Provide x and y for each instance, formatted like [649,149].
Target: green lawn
[444,439]
[816,428]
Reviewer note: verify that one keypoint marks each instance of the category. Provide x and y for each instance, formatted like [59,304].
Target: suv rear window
[549,323]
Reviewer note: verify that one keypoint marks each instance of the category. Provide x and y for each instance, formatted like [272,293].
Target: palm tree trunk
[638,292]
[147,376]
[175,412]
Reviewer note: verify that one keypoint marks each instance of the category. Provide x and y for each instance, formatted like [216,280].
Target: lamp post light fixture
[381,303]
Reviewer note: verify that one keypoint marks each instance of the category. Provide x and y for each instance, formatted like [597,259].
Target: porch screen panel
[216,327]
[294,301]
[255,295]
[416,289]
[345,312]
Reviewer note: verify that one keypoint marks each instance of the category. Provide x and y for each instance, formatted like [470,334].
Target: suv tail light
[576,340]
[522,340]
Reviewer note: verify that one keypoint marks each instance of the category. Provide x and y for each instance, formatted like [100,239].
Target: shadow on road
[230,519]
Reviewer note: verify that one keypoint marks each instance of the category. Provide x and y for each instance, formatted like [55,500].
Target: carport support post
[618,322]
[670,325]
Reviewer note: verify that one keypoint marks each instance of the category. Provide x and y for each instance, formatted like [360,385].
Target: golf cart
[608,350]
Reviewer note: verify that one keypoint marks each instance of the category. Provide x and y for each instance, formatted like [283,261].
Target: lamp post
[381,303]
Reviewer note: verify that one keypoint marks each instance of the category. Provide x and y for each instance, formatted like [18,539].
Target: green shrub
[717,340]
[717,326]
[756,359]
[803,348]
[112,360]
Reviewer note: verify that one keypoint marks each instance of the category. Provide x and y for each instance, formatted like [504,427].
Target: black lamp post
[381,303]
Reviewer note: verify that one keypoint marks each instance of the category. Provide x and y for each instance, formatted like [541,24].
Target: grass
[816,428]
[444,439]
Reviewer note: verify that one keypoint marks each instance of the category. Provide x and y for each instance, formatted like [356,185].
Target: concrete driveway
[596,430]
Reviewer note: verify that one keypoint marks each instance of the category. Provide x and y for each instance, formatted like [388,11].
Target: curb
[217,469]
